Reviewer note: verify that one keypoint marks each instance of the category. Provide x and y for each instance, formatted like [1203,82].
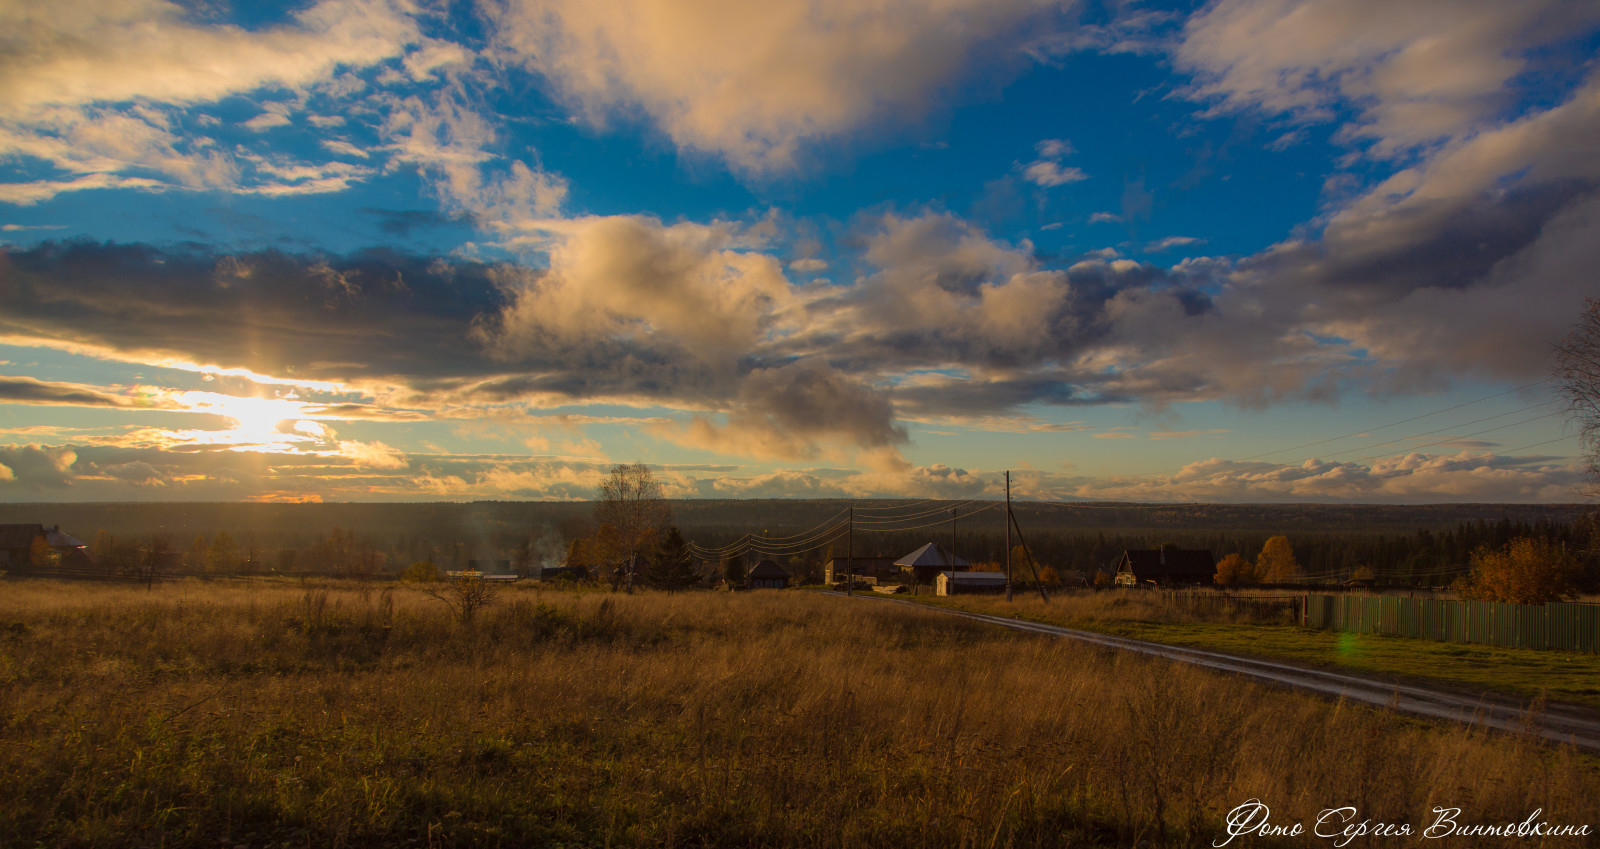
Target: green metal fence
[1564,627]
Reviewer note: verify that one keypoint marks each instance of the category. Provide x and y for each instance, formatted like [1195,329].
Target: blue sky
[1250,250]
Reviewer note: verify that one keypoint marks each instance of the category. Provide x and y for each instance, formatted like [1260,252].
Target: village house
[927,562]
[1165,566]
[767,575]
[19,542]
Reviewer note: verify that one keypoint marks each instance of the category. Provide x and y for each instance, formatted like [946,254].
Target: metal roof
[931,555]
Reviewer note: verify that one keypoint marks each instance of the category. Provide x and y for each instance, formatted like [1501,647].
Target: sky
[393,250]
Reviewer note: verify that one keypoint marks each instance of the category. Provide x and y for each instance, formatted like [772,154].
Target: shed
[1165,566]
[767,575]
[960,583]
[837,568]
[928,561]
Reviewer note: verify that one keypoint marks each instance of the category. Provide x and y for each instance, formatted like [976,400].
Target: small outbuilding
[878,568]
[767,575]
[962,583]
[928,561]
[1165,566]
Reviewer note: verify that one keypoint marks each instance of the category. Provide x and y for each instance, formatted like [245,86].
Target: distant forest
[1415,545]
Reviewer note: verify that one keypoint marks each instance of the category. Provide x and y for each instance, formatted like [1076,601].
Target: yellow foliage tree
[1526,571]
[1276,563]
[1234,570]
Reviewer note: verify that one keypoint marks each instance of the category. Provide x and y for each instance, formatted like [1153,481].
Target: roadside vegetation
[1263,624]
[264,713]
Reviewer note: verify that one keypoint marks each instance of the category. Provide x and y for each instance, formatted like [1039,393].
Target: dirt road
[1560,723]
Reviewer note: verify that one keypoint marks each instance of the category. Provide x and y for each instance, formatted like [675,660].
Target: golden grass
[285,715]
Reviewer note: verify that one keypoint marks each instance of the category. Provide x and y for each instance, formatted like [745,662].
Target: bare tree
[1578,369]
[631,511]
[148,563]
[464,594]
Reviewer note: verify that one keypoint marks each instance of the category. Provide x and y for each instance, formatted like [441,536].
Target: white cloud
[1054,149]
[1418,72]
[266,121]
[77,52]
[24,194]
[1171,242]
[697,287]
[753,83]
[96,89]
[1049,174]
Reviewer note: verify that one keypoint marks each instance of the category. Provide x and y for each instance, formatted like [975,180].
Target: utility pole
[1031,566]
[951,560]
[850,555]
[1008,536]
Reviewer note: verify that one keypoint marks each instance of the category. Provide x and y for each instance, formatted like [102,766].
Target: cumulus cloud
[782,412]
[698,288]
[755,83]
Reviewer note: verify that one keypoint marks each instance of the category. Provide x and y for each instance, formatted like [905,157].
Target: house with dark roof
[767,575]
[1165,566]
[17,543]
[928,561]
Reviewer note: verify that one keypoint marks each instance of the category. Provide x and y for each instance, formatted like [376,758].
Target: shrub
[1526,571]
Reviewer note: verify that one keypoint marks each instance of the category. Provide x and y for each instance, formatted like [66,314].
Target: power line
[931,524]
[912,517]
[1452,427]
[1459,436]
[1365,431]
[1392,424]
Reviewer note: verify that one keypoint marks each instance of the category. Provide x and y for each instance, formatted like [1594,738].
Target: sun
[257,417]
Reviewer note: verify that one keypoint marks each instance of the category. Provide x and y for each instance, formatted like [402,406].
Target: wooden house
[928,561]
[1165,566]
[767,575]
[17,543]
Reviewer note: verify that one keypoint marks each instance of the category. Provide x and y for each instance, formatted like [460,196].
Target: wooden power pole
[850,555]
[1008,536]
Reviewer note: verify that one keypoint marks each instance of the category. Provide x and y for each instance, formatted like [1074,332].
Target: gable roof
[931,555]
[767,569]
[1170,561]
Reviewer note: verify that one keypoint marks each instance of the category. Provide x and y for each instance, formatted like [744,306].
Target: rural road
[1560,723]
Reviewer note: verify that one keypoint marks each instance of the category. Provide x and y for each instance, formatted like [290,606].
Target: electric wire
[1365,431]
[1452,427]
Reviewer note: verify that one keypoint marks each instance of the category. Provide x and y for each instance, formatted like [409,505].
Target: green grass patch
[1558,676]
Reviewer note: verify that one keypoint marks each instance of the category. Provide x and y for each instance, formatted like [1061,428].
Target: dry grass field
[267,714]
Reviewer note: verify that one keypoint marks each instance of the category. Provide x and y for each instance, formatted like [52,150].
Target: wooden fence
[1559,626]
